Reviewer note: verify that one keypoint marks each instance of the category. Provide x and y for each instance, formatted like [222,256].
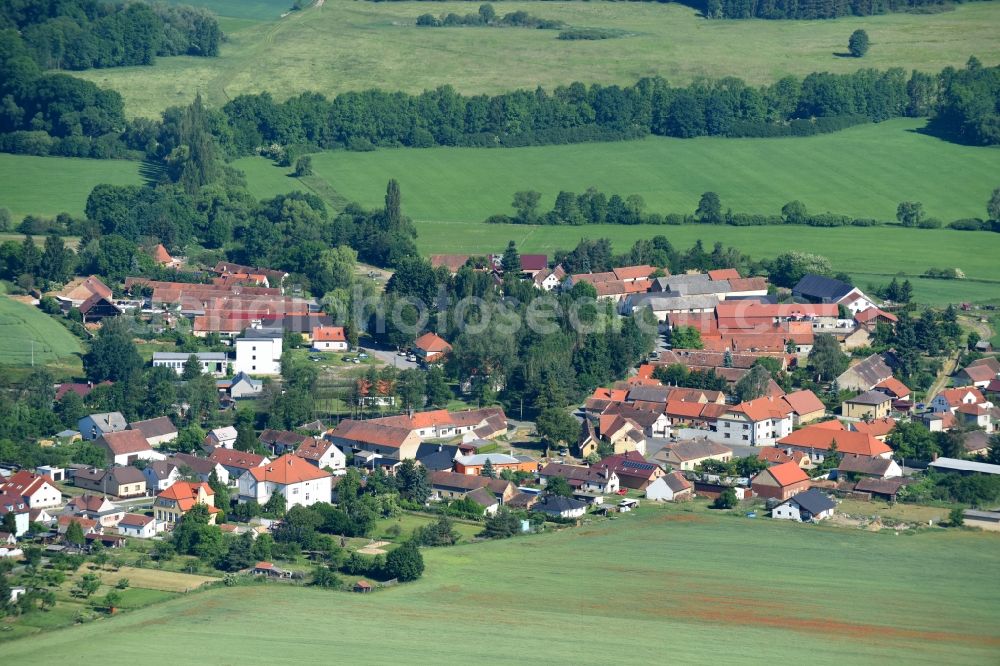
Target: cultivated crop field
[52,185]
[21,324]
[662,585]
[351,45]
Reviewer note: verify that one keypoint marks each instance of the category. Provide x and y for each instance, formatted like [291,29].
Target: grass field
[658,586]
[863,171]
[52,185]
[21,324]
[347,45]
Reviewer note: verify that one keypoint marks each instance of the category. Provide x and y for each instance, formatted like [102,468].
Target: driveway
[389,357]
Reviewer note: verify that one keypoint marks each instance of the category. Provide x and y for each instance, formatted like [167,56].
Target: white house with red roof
[36,489]
[236,462]
[431,348]
[301,483]
[137,525]
[758,422]
[322,453]
[329,338]
[949,400]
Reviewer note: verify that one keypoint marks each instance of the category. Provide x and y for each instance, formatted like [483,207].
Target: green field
[24,328]
[351,45]
[449,191]
[663,586]
[52,185]
[864,171]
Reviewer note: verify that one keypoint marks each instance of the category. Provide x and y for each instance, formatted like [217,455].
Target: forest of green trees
[81,34]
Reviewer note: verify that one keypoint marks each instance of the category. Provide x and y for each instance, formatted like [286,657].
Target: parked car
[411,358]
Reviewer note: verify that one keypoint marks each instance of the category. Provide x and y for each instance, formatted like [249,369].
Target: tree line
[487,17]
[813,9]
[595,207]
[83,34]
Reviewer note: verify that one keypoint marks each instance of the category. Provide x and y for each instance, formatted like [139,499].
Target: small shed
[627,505]
[363,586]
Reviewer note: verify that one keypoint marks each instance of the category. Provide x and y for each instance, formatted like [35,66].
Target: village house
[979,373]
[122,482]
[377,438]
[96,508]
[549,279]
[949,400]
[623,434]
[589,479]
[138,526]
[79,290]
[203,468]
[244,386]
[447,485]
[301,483]
[807,507]
[125,447]
[258,351]
[474,464]
[560,507]
[211,363]
[820,289]
[867,374]
[322,453]
[430,348]
[757,422]
[236,462]
[329,338]
[672,487]
[976,443]
[817,442]
[486,499]
[221,437]
[37,490]
[160,475]
[893,388]
[854,466]
[688,454]
[870,404]
[280,442]
[652,422]
[13,503]
[978,416]
[98,308]
[589,442]
[780,481]
[632,469]
[880,429]
[95,425]
[805,407]
[156,431]
[171,504]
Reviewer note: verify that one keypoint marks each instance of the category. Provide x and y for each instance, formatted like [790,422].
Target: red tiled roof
[371,432]
[161,256]
[634,272]
[787,473]
[773,455]
[877,428]
[288,469]
[724,274]
[813,437]
[954,396]
[897,388]
[804,402]
[237,459]
[329,334]
[764,408]
[432,343]
[125,441]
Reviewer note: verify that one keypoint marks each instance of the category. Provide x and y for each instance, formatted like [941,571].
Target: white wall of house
[659,490]
[329,345]
[305,493]
[147,531]
[46,496]
[256,356]
[125,459]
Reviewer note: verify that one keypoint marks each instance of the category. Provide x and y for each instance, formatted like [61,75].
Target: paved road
[390,357]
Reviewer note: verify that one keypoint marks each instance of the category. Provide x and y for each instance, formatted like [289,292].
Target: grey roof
[298,323]
[660,302]
[181,356]
[482,497]
[974,440]
[954,464]
[481,458]
[648,393]
[814,501]
[201,466]
[161,469]
[121,475]
[157,427]
[676,482]
[556,504]
[880,486]
[702,287]
[244,377]
[871,371]
[262,333]
[864,465]
[817,286]
[870,398]
[108,421]
[983,515]
[694,449]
